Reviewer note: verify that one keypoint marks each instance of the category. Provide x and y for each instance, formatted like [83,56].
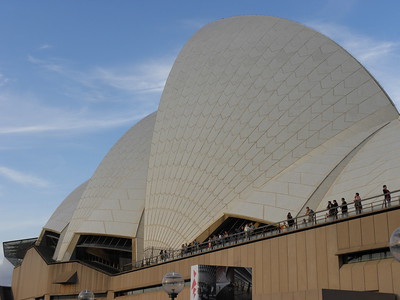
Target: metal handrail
[369,204]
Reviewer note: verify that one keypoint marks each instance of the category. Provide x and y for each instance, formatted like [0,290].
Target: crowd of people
[333,207]
[334,210]
[214,241]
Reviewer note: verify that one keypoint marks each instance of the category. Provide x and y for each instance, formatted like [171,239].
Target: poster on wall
[220,283]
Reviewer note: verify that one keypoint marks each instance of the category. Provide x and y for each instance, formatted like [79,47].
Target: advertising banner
[220,283]
[194,286]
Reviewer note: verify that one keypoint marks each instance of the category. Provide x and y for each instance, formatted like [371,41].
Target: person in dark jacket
[343,207]
[290,219]
[335,207]
[330,210]
[387,197]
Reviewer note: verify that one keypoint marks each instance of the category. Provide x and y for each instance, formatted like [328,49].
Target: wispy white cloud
[22,178]
[3,80]
[380,57]
[85,99]
[34,60]
[45,46]
[365,48]
[145,78]
[55,65]
[23,114]
[337,9]
[376,52]
[71,125]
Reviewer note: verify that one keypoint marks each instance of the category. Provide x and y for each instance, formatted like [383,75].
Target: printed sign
[220,283]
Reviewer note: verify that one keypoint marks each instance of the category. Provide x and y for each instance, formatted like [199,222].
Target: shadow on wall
[354,295]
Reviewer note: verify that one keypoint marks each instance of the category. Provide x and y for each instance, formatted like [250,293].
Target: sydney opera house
[259,117]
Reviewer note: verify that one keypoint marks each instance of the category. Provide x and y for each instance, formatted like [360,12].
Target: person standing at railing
[195,245]
[357,203]
[335,206]
[290,220]
[247,231]
[226,237]
[343,207]
[238,232]
[209,243]
[311,215]
[162,254]
[331,211]
[387,197]
[251,229]
[214,240]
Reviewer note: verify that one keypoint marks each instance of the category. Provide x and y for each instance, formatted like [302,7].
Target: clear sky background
[76,75]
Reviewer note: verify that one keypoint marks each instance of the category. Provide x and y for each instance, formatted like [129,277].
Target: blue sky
[76,75]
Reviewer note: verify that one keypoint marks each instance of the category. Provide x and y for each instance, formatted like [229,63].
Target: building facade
[298,264]
[260,117]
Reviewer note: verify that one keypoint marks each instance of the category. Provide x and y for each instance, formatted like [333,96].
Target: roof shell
[247,98]
[63,214]
[113,201]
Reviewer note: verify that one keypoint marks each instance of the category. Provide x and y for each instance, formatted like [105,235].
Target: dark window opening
[367,255]
[110,254]
[48,244]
